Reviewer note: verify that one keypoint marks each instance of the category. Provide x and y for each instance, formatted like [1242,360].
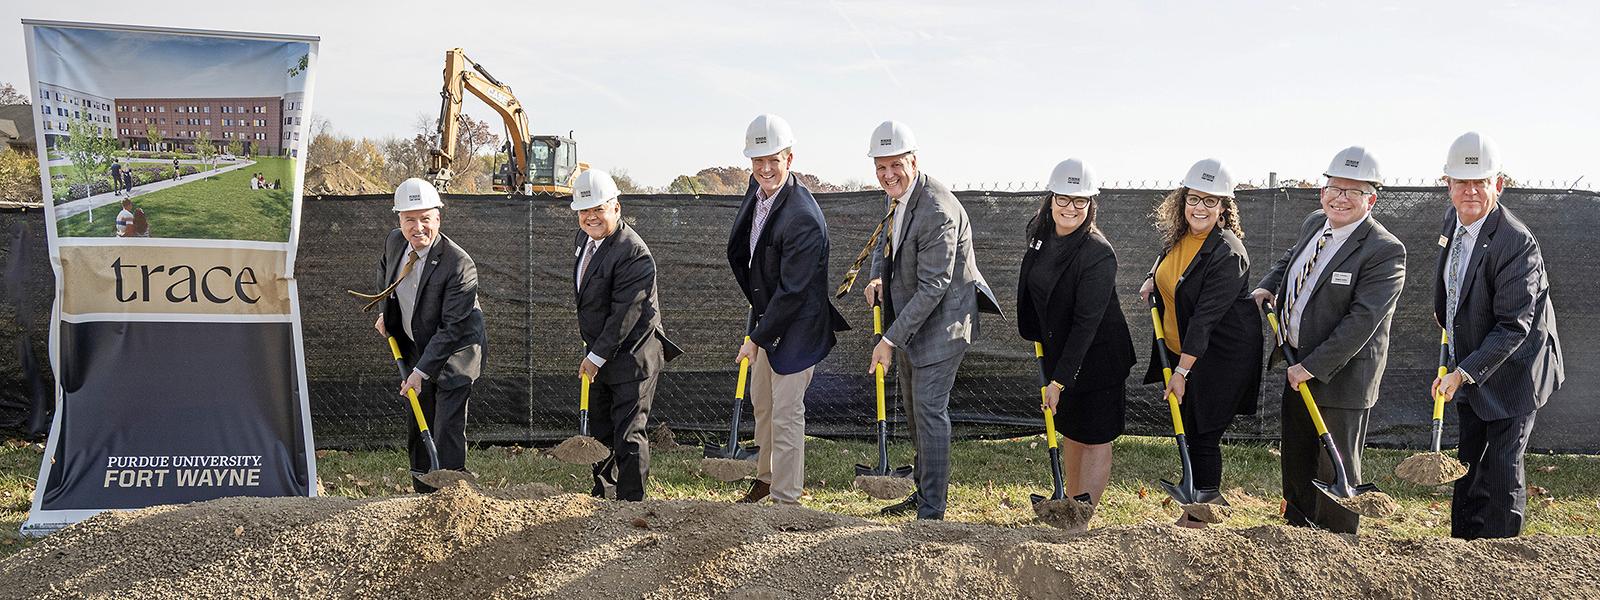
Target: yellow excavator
[537,164]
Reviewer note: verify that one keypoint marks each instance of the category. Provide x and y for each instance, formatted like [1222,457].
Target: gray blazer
[932,285]
[1344,331]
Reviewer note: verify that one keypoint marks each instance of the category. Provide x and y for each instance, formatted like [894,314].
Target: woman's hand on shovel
[1052,395]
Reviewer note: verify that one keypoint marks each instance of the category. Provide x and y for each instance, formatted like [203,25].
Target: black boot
[909,505]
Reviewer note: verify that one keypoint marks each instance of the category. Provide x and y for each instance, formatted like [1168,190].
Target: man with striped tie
[778,250]
[1492,296]
[1339,285]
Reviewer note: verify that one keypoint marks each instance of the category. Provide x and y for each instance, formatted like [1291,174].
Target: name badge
[1443,241]
[1341,278]
[578,252]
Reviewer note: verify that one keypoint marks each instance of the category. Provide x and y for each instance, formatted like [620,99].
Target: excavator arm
[458,80]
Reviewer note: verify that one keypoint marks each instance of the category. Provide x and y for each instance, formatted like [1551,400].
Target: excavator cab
[552,164]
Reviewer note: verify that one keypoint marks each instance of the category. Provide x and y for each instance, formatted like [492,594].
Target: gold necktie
[374,299]
[855,267]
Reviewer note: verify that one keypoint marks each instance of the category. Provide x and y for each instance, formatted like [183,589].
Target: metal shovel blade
[865,471]
[715,450]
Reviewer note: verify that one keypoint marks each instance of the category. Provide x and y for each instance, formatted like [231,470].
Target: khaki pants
[780,408]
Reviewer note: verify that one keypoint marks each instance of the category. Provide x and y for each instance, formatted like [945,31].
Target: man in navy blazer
[778,250]
[1492,296]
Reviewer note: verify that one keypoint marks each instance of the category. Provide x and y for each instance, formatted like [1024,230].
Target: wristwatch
[1057,385]
[1465,377]
[1181,371]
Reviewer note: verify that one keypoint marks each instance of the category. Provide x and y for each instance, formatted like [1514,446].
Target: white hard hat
[1211,177]
[1355,163]
[1472,156]
[1073,177]
[769,134]
[594,187]
[416,194]
[892,138]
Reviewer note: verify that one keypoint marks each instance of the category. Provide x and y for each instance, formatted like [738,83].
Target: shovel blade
[873,471]
[1178,494]
[715,450]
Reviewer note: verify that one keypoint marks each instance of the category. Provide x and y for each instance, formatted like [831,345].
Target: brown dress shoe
[758,490]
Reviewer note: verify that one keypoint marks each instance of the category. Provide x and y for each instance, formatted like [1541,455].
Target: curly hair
[1168,218]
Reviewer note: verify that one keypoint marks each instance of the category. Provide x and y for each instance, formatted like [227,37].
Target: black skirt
[1093,416]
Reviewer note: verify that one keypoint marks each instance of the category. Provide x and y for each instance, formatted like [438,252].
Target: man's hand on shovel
[1448,385]
[412,382]
[882,354]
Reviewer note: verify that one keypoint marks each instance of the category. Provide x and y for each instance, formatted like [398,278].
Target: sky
[123,64]
[995,91]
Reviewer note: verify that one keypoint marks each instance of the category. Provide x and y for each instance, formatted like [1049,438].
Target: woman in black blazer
[1213,332]
[1067,301]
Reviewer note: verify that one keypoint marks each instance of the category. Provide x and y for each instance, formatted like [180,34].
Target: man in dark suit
[433,314]
[1339,286]
[1492,296]
[924,272]
[778,250]
[620,322]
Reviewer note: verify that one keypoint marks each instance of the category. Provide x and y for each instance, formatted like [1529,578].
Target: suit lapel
[912,203]
[599,254]
[772,213]
[1206,248]
[1071,255]
[1479,253]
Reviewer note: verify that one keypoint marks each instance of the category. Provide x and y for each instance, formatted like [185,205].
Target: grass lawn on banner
[990,483]
[211,207]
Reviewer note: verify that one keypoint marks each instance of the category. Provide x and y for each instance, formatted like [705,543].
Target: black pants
[1303,459]
[1491,500]
[618,413]
[1205,455]
[447,414]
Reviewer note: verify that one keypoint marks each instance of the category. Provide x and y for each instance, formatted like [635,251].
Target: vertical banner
[171,162]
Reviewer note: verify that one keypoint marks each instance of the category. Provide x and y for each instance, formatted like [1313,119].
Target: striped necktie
[855,267]
[1300,280]
[1452,289]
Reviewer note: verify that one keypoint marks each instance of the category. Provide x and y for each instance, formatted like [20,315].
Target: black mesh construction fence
[523,248]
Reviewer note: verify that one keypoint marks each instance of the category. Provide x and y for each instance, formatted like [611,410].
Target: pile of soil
[1206,512]
[885,488]
[662,438]
[580,450]
[1370,504]
[530,542]
[727,469]
[338,179]
[1068,514]
[1430,468]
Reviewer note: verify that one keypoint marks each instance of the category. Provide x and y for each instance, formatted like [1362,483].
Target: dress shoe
[758,490]
[909,505]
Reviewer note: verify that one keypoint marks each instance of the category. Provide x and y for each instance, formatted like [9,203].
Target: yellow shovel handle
[877,329]
[583,392]
[1305,390]
[416,406]
[1166,372]
[744,372]
[1049,415]
[1439,399]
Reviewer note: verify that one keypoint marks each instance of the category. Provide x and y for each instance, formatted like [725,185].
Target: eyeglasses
[1351,195]
[1209,201]
[1076,202]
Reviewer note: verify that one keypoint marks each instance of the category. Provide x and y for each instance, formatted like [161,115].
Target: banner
[171,167]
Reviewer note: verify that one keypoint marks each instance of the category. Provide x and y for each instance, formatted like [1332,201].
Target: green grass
[990,483]
[213,207]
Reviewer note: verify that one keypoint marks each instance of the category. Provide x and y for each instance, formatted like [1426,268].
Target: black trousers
[1302,459]
[1491,500]
[447,414]
[1205,455]
[618,413]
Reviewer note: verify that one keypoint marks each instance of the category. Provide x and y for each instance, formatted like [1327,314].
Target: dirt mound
[1206,512]
[1370,504]
[885,488]
[1430,468]
[338,179]
[580,450]
[1068,514]
[531,543]
[727,469]
[662,438]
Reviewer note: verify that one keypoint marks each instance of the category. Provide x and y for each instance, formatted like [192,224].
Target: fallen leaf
[1033,445]
[1274,452]
[1167,501]
[1536,491]
[238,531]
[1143,491]
[1547,469]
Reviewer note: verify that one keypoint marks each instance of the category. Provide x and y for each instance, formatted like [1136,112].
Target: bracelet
[1181,371]
[1057,385]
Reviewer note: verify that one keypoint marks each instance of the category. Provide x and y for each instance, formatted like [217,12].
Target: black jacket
[1085,335]
[1221,328]
[1505,327]
[446,320]
[618,315]
[787,282]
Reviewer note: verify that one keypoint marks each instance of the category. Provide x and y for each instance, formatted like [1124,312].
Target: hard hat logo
[1075,180]
[1208,176]
[1472,160]
[886,142]
[761,140]
[1354,164]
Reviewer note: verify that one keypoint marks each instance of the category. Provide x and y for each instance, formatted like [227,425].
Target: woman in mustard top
[1213,332]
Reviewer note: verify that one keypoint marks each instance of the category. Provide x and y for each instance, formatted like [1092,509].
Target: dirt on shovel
[885,488]
[1370,504]
[1430,468]
[444,478]
[1206,512]
[727,469]
[580,450]
[1068,514]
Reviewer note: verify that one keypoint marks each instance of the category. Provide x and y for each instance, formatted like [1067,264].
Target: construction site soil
[535,542]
